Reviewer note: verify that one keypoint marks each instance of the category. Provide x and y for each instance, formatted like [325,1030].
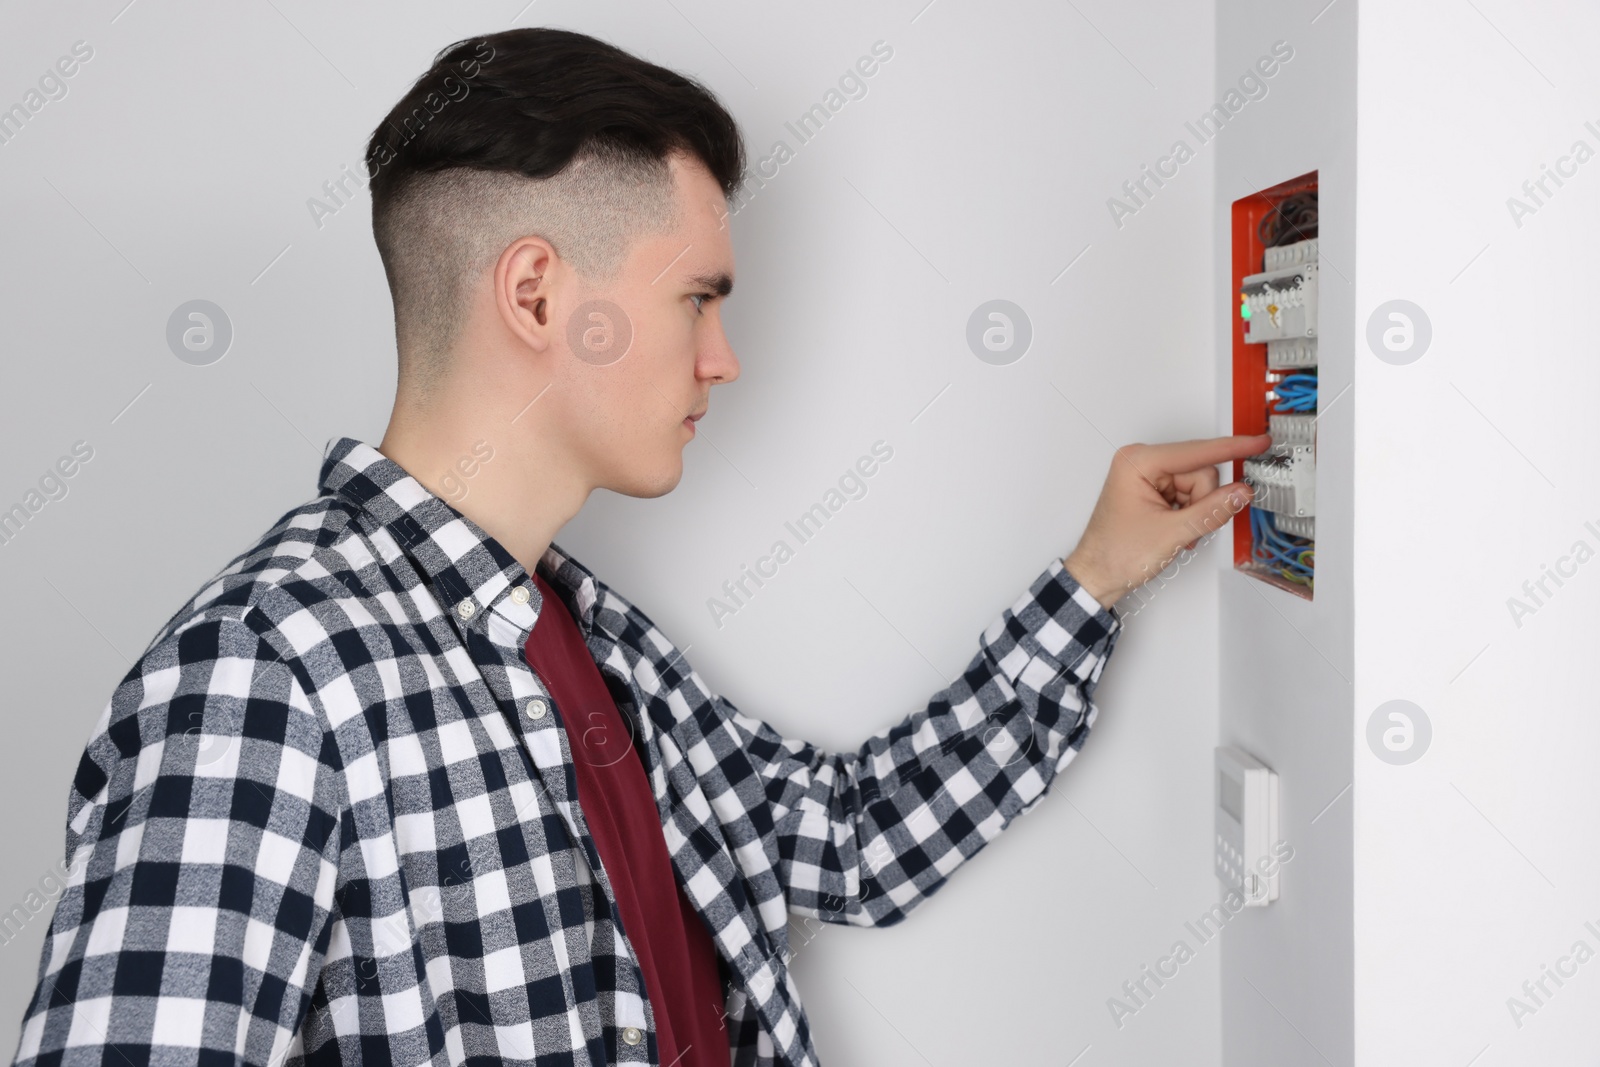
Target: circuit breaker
[1283,308]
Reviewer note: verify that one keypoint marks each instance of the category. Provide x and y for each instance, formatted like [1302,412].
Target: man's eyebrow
[718,282]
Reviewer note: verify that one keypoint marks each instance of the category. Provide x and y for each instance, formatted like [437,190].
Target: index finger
[1181,457]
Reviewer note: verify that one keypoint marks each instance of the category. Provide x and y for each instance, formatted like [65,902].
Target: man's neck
[518,492]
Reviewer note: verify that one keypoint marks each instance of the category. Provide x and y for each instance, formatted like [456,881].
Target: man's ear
[524,287]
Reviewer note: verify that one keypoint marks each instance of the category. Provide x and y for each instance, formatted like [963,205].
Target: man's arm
[202,843]
[865,836]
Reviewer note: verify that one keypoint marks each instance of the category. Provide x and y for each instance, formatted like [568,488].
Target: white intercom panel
[1247,825]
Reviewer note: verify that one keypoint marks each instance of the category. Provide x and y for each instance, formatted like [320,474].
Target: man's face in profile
[646,348]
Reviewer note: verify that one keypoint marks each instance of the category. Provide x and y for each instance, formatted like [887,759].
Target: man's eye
[700,308]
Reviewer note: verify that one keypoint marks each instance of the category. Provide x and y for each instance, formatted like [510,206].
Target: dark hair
[538,98]
[522,105]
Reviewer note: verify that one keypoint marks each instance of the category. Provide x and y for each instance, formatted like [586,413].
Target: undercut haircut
[531,131]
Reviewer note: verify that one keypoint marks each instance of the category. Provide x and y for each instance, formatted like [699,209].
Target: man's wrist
[1085,574]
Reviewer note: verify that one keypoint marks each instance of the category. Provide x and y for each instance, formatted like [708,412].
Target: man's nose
[723,364]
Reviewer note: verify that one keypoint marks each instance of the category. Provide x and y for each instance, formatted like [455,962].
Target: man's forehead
[692,257]
[708,210]
[704,258]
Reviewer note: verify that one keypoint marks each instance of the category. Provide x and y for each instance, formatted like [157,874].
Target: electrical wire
[1275,549]
[1296,392]
[1294,218]
[1300,568]
[1292,557]
[1274,542]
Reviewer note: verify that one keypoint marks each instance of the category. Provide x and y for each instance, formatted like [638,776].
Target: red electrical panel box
[1276,546]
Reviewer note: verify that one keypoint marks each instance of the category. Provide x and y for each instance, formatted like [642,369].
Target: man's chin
[646,485]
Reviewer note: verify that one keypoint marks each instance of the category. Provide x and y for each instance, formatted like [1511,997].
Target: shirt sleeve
[204,829]
[865,836]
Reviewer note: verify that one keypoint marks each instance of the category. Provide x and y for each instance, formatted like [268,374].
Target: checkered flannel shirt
[328,817]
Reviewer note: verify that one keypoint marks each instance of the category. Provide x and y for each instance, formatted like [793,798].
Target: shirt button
[632,1035]
[520,594]
[536,709]
[466,608]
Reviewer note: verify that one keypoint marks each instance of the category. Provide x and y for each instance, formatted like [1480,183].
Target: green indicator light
[1244,311]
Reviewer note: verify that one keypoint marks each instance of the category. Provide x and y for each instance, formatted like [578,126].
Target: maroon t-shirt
[675,950]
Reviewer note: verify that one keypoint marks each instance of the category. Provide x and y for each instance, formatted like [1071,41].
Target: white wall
[1420,901]
[1476,865]
[978,166]
[1287,667]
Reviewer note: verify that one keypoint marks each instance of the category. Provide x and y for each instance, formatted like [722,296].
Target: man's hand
[1157,501]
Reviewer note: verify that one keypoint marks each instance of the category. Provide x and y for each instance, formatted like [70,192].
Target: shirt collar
[464,563]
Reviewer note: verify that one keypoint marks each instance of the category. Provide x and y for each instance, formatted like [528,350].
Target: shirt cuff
[1058,626]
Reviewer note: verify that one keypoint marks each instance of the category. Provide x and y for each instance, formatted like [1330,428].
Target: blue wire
[1271,545]
[1277,545]
[1292,565]
[1276,556]
[1296,392]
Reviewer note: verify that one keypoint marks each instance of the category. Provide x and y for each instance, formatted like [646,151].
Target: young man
[407,783]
